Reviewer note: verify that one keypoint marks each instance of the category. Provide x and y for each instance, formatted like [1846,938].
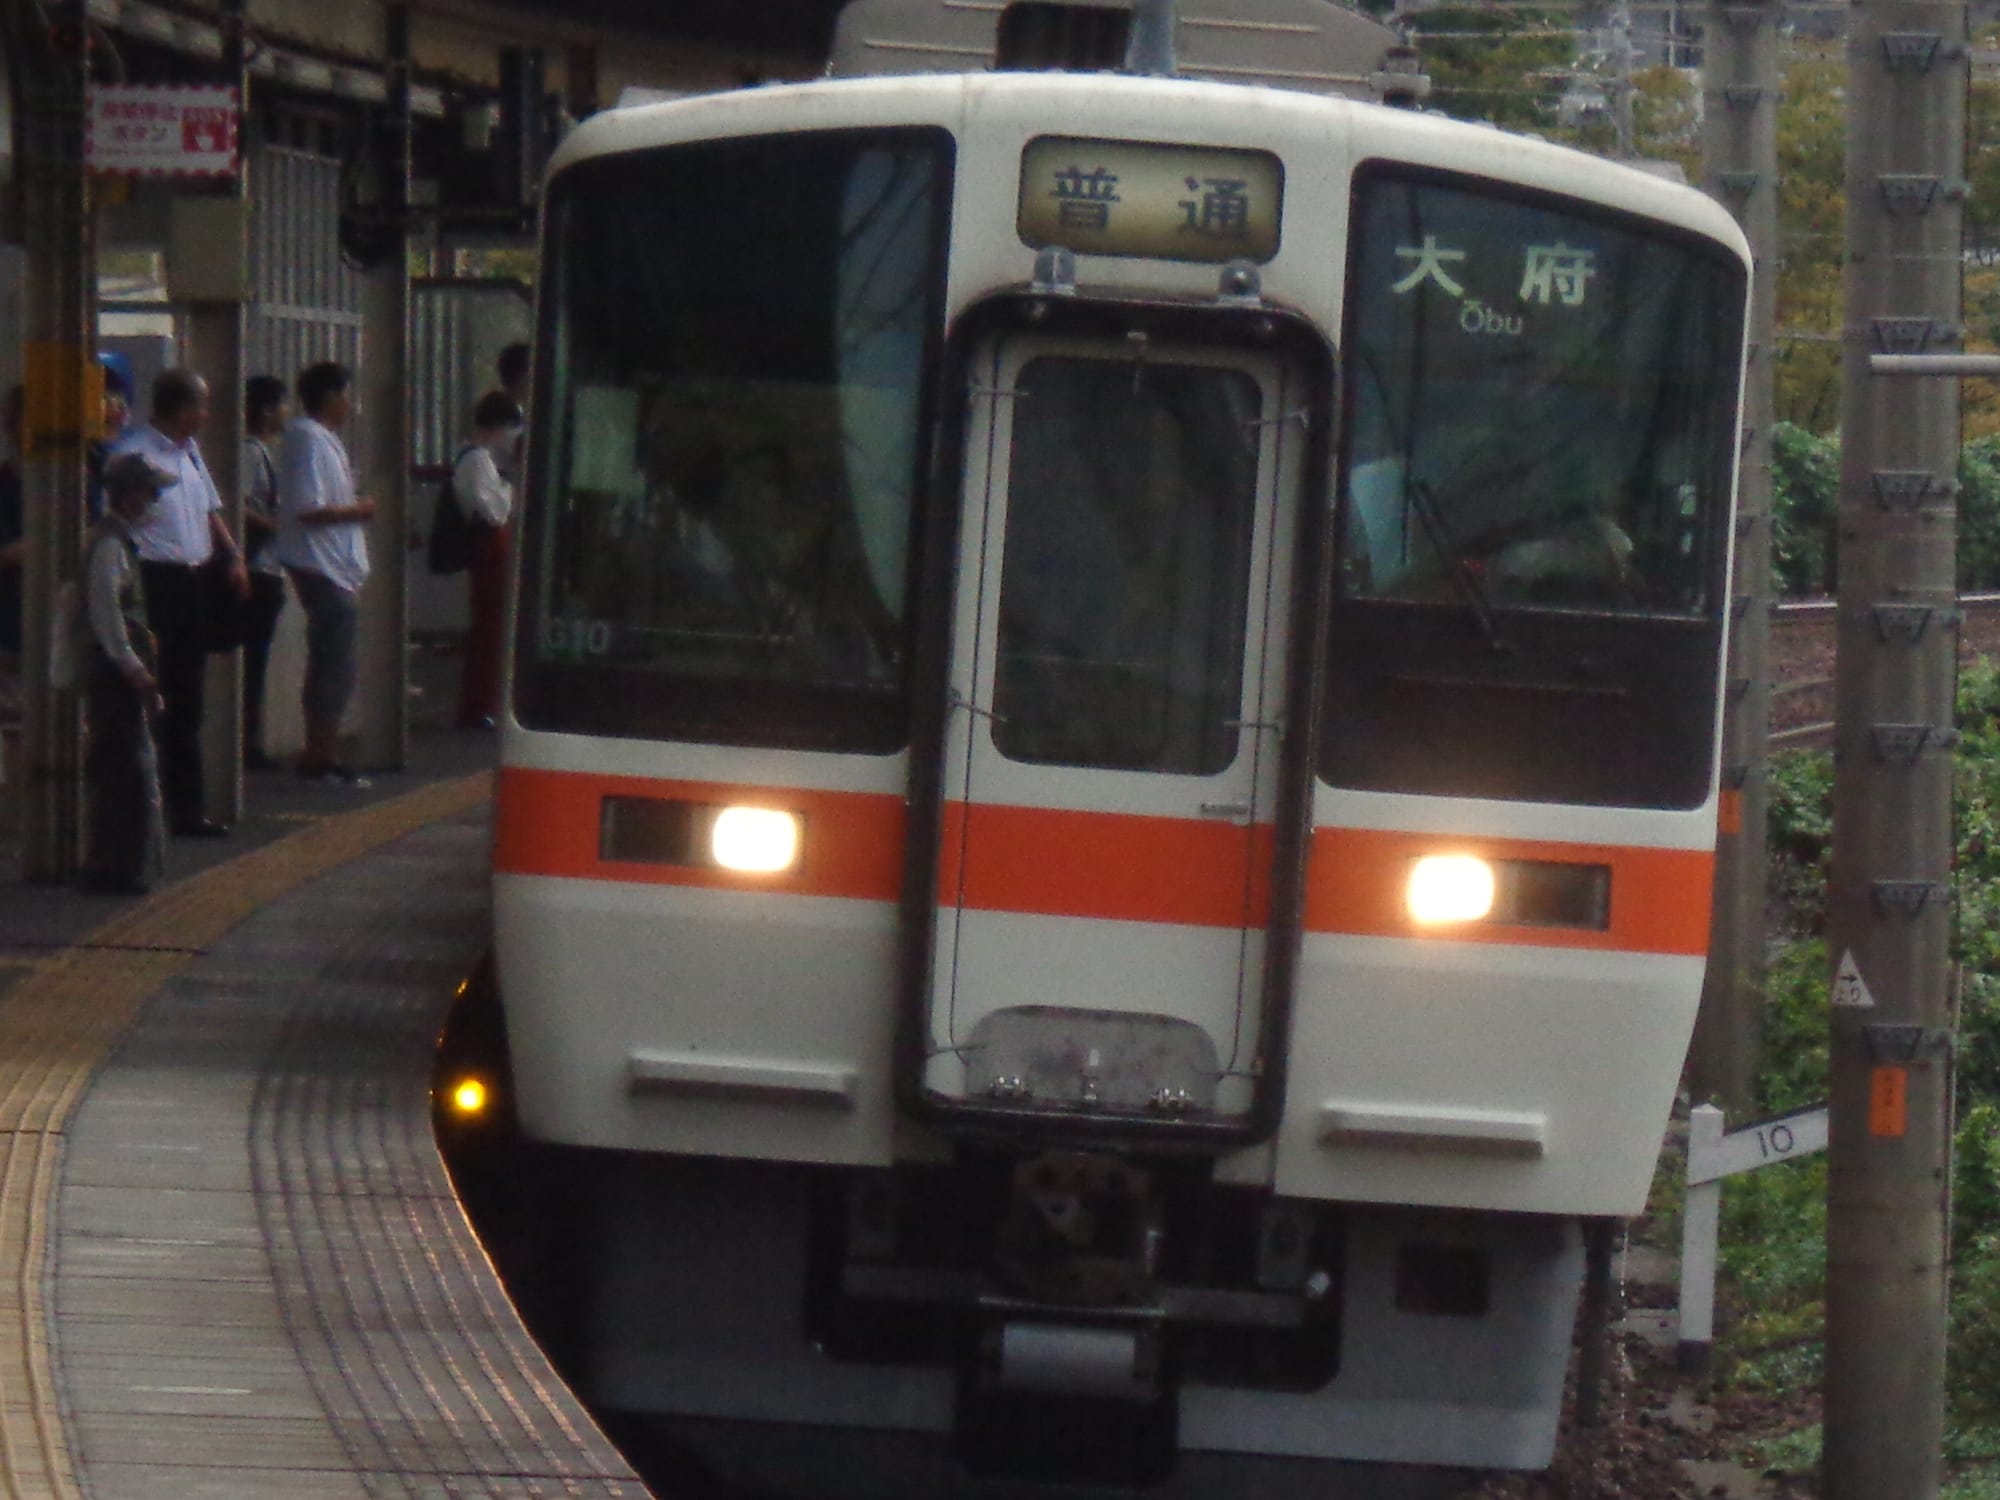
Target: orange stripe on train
[1660,898]
[1108,866]
[547,823]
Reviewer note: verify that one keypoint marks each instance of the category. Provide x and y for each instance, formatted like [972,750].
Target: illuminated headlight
[1450,888]
[755,840]
[468,1097]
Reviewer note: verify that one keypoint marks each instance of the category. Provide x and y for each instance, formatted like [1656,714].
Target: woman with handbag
[480,488]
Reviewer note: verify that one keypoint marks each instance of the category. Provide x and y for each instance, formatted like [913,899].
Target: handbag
[455,533]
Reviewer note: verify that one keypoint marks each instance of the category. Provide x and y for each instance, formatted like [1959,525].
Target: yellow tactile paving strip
[58,1022]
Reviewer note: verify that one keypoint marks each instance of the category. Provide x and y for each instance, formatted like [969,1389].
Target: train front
[1105,839]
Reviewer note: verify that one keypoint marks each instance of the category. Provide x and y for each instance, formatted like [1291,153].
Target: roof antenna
[1150,47]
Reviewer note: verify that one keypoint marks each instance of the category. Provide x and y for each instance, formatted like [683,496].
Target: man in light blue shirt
[183,531]
[323,543]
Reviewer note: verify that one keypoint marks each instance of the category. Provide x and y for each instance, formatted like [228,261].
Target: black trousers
[175,608]
[267,602]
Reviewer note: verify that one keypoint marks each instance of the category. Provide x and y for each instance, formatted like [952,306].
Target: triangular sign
[1849,988]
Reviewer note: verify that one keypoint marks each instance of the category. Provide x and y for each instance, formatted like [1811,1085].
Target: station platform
[231,1260]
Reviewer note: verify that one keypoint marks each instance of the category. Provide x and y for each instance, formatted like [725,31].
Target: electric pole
[1890,1066]
[1740,161]
[49,42]
[1622,65]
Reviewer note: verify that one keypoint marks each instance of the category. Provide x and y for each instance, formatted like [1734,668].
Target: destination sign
[1139,198]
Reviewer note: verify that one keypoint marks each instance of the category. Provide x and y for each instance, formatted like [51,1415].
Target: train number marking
[1760,1145]
[571,635]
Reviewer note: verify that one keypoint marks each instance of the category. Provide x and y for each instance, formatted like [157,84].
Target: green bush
[1799,832]
[1972,1352]
[1773,1242]
[1795,1029]
[1774,1223]
[1805,501]
[1979,515]
[1805,506]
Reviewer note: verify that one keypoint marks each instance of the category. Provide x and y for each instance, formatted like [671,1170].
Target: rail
[1981,629]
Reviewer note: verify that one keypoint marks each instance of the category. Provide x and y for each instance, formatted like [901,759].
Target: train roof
[1179,110]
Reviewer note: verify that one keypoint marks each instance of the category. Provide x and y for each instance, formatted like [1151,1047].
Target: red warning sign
[147,129]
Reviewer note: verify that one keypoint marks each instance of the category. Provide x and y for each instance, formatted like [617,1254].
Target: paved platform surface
[231,1263]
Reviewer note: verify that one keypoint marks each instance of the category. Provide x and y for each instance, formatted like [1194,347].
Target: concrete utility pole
[1624,62]
[1740,164]
[382,434]
[207,273]
[50,43]
[1890,1085]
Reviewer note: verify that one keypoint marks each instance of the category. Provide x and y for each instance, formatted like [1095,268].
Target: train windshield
[1536,464]
[1539,406]
[736,342]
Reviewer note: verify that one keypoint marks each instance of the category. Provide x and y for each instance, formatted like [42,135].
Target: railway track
[1802,663]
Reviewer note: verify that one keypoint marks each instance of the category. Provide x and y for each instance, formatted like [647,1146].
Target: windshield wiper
[1462,571]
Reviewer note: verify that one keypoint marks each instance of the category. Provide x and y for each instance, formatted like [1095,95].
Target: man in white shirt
[323,543]
[174,541]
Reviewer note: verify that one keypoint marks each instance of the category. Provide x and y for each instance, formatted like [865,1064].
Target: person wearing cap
[125,826]
[175,541]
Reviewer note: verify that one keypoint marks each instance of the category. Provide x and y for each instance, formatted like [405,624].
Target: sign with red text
[154,130]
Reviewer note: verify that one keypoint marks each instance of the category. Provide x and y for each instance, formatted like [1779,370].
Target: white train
[1107,816]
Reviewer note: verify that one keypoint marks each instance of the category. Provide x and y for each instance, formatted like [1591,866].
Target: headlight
[755,840]
[1450,888]
[468,1097]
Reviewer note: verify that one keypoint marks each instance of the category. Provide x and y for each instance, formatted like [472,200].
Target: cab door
[1111,757]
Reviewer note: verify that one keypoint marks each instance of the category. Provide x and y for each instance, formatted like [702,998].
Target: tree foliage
[1805,510]
[1812,225]
[1486,64]
[1805,506]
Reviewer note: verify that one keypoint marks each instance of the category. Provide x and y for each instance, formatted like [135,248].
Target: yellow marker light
[1450,888]
[755,840]
[469,1096]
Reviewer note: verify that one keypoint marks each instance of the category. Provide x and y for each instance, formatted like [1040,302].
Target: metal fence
[305,300]
[458,326]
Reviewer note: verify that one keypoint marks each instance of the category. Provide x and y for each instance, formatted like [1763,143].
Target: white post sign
[152,130]
[1713,1156]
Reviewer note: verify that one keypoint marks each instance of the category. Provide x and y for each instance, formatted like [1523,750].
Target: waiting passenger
[264,413]
[126,828]
[484,494]
[323,543]
[176,541]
